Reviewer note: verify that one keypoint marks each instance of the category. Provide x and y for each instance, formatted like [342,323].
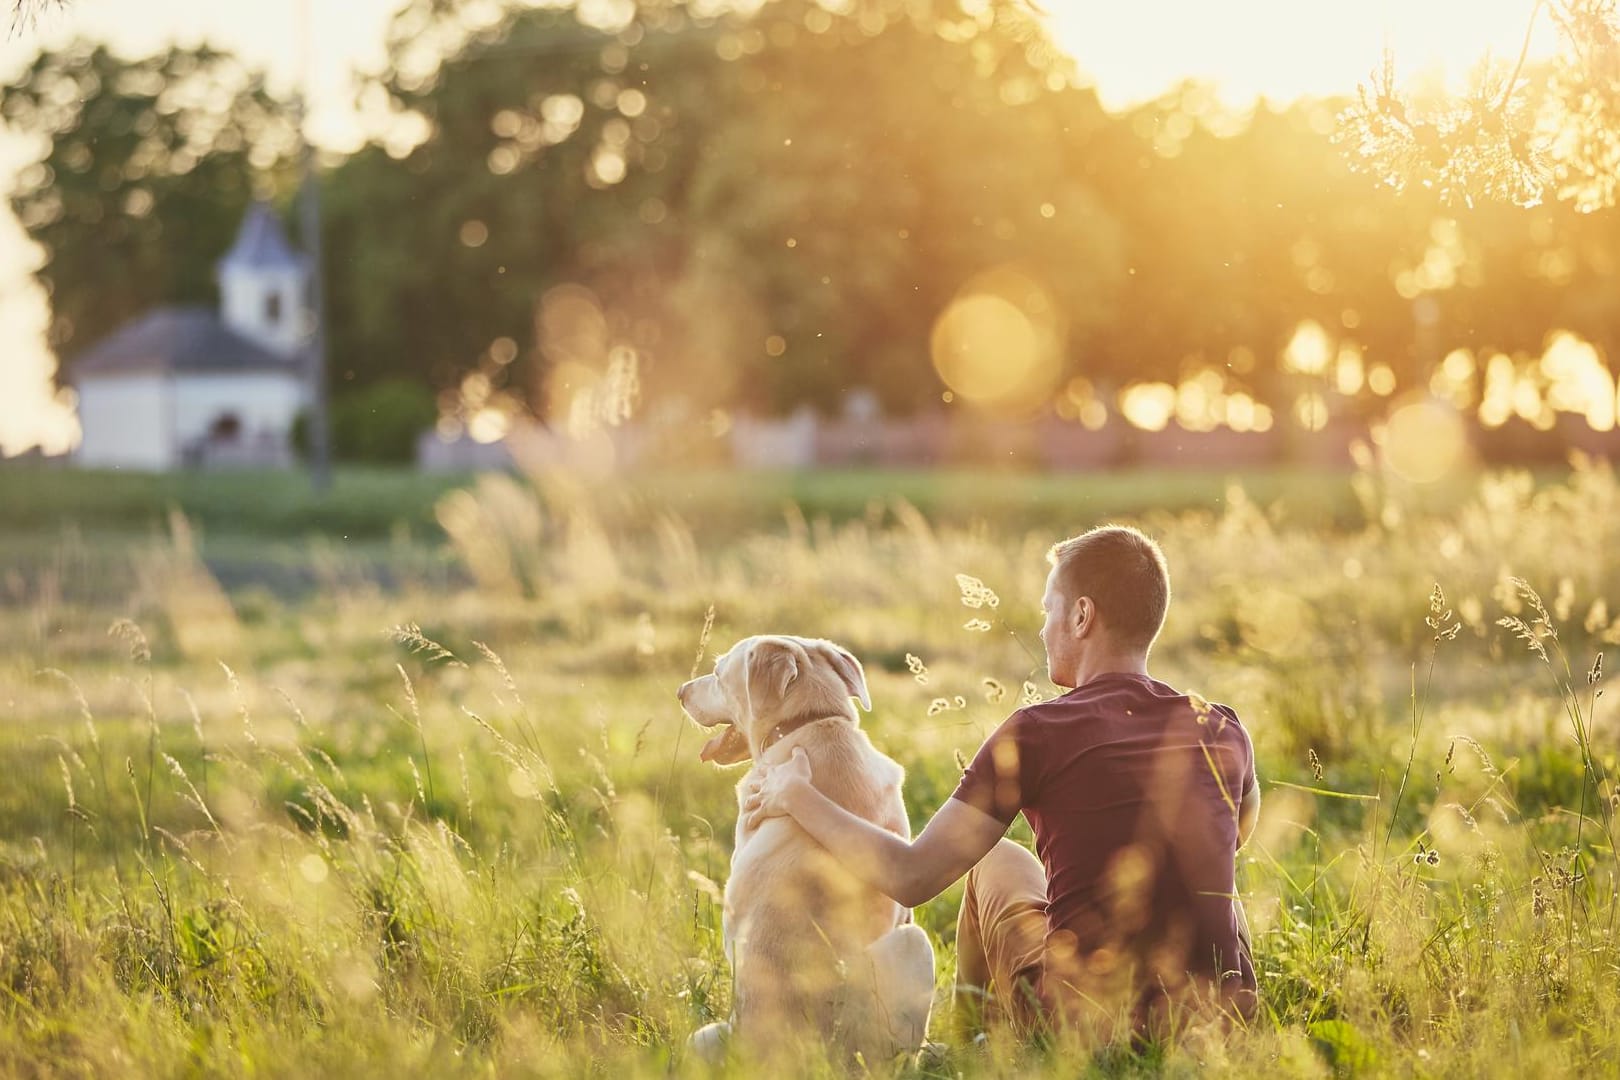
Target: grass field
[392,781]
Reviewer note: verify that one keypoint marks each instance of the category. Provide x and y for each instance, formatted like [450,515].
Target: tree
[768,209]
[149,167]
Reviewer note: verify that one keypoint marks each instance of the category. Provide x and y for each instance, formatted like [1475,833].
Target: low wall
[807,441]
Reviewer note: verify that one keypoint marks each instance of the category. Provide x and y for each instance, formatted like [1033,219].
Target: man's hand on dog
[768,789]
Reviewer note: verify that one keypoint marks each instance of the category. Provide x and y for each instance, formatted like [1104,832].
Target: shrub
[380,422]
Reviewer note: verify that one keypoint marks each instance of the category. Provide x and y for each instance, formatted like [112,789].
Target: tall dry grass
[419,827]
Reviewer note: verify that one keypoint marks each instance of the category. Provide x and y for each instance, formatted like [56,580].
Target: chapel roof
[179,339]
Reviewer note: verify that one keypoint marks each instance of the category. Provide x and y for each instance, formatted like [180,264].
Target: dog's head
[763,680]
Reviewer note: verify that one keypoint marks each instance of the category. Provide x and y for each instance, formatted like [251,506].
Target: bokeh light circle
[1424,440]
[999,343]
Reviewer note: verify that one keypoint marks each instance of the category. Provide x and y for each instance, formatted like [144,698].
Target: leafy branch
[1509,138]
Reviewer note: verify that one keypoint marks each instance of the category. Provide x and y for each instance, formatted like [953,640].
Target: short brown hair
[1124,572]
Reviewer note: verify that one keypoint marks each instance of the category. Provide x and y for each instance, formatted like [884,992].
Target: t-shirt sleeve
[1003,776]
[1244,748]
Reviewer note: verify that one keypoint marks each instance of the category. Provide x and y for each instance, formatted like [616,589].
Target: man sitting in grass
[1139,797]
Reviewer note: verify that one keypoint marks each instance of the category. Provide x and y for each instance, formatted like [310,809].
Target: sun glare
[1423,440]
[1281,49]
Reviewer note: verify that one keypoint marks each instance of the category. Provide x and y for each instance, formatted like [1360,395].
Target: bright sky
[1133,51]
[1281,49]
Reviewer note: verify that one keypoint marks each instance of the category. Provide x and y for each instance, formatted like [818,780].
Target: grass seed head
[1441,619]
[1525,633]
[125,630]
[410,635]
[975,593]
[703,640]
[1542,620]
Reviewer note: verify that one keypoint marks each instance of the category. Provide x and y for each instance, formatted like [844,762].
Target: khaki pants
[1001,938]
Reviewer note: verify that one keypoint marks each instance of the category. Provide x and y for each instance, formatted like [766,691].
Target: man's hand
[768,790]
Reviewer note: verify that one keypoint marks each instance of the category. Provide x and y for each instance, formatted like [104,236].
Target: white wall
[265,402]
[775,444]
[242,294]
[125,419]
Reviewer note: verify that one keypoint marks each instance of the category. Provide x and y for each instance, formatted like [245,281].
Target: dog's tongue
[712,747]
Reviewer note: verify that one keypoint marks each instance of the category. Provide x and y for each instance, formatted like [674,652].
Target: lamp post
[309,217]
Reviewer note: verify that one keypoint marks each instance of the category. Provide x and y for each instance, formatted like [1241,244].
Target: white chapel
[184,386]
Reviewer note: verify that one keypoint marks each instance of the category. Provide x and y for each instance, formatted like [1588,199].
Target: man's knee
[1008,861]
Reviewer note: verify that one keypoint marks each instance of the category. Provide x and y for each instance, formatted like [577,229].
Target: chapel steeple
[264,284]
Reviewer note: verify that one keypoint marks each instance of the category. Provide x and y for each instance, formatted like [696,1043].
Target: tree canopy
[146,169]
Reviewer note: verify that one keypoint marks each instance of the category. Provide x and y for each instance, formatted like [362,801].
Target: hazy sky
[1131,49]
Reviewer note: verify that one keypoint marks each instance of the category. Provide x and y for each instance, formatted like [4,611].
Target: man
[1139,797]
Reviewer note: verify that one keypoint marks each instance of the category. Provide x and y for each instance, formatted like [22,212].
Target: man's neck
[1118,663]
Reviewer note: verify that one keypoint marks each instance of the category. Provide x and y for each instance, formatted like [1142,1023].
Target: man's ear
[849,672]
[773,664]
[1082,615]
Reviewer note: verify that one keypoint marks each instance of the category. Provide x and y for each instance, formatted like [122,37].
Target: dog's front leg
[709,1042]
[745,788]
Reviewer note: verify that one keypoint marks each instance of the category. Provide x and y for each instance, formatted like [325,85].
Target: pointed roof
[261,243]
[178,339]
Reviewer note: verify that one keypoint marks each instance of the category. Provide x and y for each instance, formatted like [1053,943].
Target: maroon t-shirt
[1132,792]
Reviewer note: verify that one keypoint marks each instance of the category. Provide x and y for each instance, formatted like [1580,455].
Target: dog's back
[797,922]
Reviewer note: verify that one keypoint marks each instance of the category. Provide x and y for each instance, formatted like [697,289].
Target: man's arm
[909,872]
[1248,811]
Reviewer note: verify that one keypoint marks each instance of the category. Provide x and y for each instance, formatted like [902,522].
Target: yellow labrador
[814,952]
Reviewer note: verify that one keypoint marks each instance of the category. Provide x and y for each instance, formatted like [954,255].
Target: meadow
[392,781]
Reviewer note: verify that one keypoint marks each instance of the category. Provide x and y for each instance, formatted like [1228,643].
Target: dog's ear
[849,671]
[773,664]
[730,747]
